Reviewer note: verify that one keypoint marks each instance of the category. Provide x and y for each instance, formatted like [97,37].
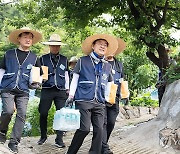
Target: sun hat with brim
[112,43]
[121,47]
[13,36]
[54,40]
[73,59]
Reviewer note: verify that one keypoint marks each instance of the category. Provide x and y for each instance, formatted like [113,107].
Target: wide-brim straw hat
[112,43]
[54,39]
[121,48]
[13,36]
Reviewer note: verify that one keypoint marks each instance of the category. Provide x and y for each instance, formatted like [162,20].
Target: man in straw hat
[17,64]
[55,88]
[112,111]
[87,88]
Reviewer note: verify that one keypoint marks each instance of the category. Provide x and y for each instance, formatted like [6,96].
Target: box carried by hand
[110,92]
[35,75]
[45,73]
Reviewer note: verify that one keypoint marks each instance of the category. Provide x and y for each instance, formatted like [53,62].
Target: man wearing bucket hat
[55,88]
[17,64]
[72,62]
[91,75]
[112,111]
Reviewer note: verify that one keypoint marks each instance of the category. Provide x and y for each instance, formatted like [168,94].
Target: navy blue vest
[56,74]
[118,74]
[17,75]
[90,85]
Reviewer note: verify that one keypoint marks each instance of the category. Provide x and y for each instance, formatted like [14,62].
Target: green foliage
[173,73]
[149,21]
[10,127]
[140,72]
[144,100]
[33,117]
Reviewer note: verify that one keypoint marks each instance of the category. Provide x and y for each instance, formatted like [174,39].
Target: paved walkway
[118,142]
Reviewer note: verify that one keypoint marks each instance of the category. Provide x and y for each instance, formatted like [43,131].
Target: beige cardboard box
[110,92]
[124,92]
[45,72]
[35,75]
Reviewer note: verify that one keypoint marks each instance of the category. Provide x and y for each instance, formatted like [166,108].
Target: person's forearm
[73,85]
[66,80]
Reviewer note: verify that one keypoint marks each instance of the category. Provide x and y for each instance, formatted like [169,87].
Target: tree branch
[133,9]
[175,27]
[162,20]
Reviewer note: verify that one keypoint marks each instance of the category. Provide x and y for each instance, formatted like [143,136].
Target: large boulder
[163,132]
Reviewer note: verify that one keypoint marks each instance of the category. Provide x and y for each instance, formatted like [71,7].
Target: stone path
[118,141]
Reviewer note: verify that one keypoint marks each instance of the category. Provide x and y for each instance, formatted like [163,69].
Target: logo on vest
[29,66]
[62,67]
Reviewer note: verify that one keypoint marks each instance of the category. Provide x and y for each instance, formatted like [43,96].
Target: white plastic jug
[66,119]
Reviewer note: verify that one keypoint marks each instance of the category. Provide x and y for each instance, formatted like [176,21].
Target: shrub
[144,100]
[173,73]
[33,118]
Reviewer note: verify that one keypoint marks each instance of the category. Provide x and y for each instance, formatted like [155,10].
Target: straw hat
[73,59]
[54,40]
[13,36]
[121,48]
[112,43]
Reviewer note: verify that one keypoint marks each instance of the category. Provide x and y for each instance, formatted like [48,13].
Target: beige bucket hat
[54,40]
[13,36]
[73,59]
[112,43]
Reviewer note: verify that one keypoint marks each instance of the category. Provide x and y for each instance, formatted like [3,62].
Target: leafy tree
[75,20]
[149,21]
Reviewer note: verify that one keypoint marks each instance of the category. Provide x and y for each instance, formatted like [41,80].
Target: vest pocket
[8,79]
[85,87]
[8,75]
[25,79]
[25,76]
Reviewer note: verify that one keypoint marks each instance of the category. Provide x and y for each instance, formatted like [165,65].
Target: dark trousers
[20,100]
[95,115]
[48,95]
[111,114]
[161,91]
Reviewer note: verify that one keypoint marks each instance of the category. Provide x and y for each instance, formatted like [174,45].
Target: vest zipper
[17,80]
[55,79]
[96,89]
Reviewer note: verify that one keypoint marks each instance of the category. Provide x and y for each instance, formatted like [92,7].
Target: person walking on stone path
[91,75]
[55,89]
[17,64]
[112,111]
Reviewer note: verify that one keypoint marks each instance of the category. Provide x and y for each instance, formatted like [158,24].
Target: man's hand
[69,102]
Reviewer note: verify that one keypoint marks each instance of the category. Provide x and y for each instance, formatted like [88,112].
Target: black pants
[111,114]
[48,95]
[161,91]
[93,114]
